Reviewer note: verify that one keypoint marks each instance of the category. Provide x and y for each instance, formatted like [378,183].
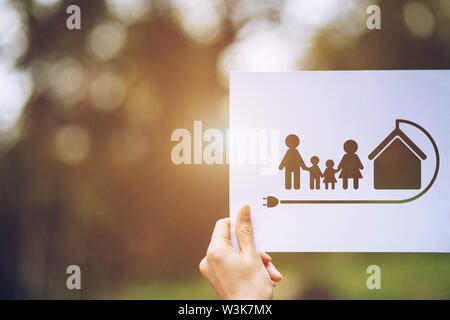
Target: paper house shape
[397,163]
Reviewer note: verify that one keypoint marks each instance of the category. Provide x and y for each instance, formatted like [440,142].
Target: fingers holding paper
[238,275]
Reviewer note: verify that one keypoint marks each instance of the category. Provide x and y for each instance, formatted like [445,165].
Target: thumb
[244,231]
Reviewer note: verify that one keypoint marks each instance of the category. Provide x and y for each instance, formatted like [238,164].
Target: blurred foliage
[86,178]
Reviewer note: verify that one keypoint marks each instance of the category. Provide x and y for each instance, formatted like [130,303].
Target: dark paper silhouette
[314,174]
[397,166]
[397,162]
[350,165]
[329,174]
[292,162]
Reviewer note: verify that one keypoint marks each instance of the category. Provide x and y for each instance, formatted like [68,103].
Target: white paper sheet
[325,109]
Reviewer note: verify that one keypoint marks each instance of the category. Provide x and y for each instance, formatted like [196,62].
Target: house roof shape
[397,133]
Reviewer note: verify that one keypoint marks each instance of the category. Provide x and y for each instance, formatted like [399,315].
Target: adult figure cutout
[292,162]
[350,165]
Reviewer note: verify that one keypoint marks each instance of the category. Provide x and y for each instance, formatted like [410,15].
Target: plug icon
[270,201]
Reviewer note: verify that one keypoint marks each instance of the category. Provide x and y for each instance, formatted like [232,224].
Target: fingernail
[275,271]
[245,212]
[265,256]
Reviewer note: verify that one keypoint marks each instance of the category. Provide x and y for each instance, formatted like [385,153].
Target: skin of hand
[238,275]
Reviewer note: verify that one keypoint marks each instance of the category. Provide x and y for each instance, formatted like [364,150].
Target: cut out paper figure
[314,174]
[292,162]
[329,173]
[350,165]
[397,163]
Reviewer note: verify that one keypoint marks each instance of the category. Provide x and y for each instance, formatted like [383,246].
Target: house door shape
[397,163]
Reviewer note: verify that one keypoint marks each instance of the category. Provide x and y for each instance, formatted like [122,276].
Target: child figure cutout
[292,162]
[350,165]
[329,174]
[314,174]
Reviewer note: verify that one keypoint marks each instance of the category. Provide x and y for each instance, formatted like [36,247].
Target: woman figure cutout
[350,165]
[329,174]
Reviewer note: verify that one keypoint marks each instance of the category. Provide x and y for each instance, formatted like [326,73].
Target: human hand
[238,275]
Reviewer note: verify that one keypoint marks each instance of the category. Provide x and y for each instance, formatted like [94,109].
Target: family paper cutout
[397,165]
[349,166]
